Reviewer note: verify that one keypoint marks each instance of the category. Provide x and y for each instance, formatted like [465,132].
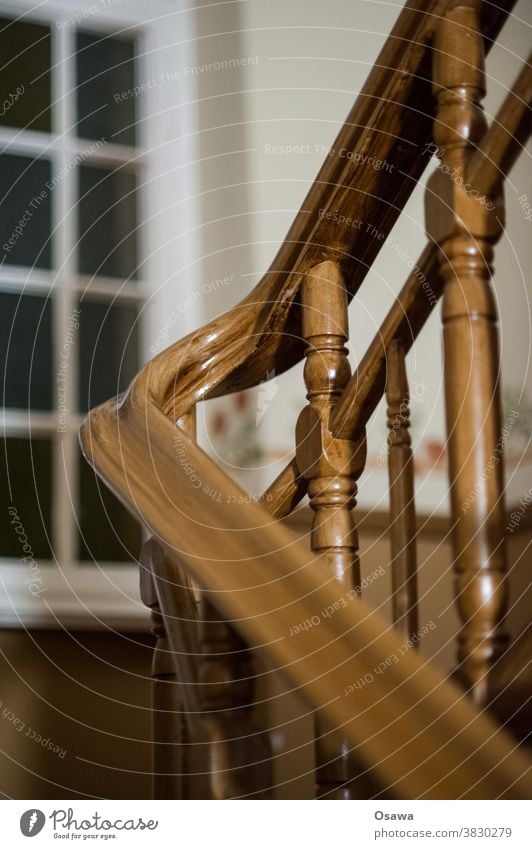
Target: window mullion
[66,502]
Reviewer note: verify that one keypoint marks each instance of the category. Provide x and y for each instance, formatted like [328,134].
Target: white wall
[310,60]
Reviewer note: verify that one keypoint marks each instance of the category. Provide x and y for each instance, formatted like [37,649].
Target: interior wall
[88,695]
[264,129]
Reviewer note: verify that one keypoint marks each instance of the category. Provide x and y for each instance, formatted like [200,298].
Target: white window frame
[95,595]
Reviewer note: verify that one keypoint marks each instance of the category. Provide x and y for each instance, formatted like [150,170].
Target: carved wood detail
[331,468]
[401,489]
[466,226]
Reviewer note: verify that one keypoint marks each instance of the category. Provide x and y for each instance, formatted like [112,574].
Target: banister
[391,121]
[405,318]
[417,731]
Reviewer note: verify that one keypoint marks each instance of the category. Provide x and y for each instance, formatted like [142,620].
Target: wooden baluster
[236,753]
[331,467]
[170,727]
[466,227]
[169,730]
[402,506]
[231,756]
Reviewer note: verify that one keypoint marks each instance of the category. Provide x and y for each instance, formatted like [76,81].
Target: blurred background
[152,158]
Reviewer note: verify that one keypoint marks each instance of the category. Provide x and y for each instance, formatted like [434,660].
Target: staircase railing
[386,722]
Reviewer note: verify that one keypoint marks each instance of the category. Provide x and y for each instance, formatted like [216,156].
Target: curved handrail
[418,732]
[390,122]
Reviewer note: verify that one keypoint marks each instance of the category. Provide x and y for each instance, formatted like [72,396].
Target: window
[72,292]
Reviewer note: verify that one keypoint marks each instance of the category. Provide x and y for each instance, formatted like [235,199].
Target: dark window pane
[107,222]
[105,73]
[26,219]
[108,531]
[25,49]
[108,351]
[25,494]
[26,351]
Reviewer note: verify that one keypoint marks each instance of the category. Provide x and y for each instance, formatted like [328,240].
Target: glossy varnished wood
[466,228]
[331,468]
[257,584]
[401,489]
[422,738]
[391,118]
[169,729]
[227,755]
[236,752]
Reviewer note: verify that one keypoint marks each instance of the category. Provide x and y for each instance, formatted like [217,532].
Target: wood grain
[417,732]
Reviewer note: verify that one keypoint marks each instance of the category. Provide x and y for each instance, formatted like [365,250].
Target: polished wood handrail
[261,334]
[418,732]
[491,161]
[414,731]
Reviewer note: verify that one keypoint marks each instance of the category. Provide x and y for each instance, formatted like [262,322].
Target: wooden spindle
[466,226]
[401,487]
[331,467]
[236,753]
[230,755]
[169,729]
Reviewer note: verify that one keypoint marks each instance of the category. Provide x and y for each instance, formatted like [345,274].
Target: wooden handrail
[412,307]
[406,317]
[408,314]
[390,122]
[415,731]
[418,732]
[505,137]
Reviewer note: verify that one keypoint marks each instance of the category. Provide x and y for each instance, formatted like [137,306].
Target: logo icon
[32,822]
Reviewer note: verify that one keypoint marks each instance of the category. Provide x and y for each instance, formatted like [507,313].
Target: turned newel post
[331,467]
[466,225]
